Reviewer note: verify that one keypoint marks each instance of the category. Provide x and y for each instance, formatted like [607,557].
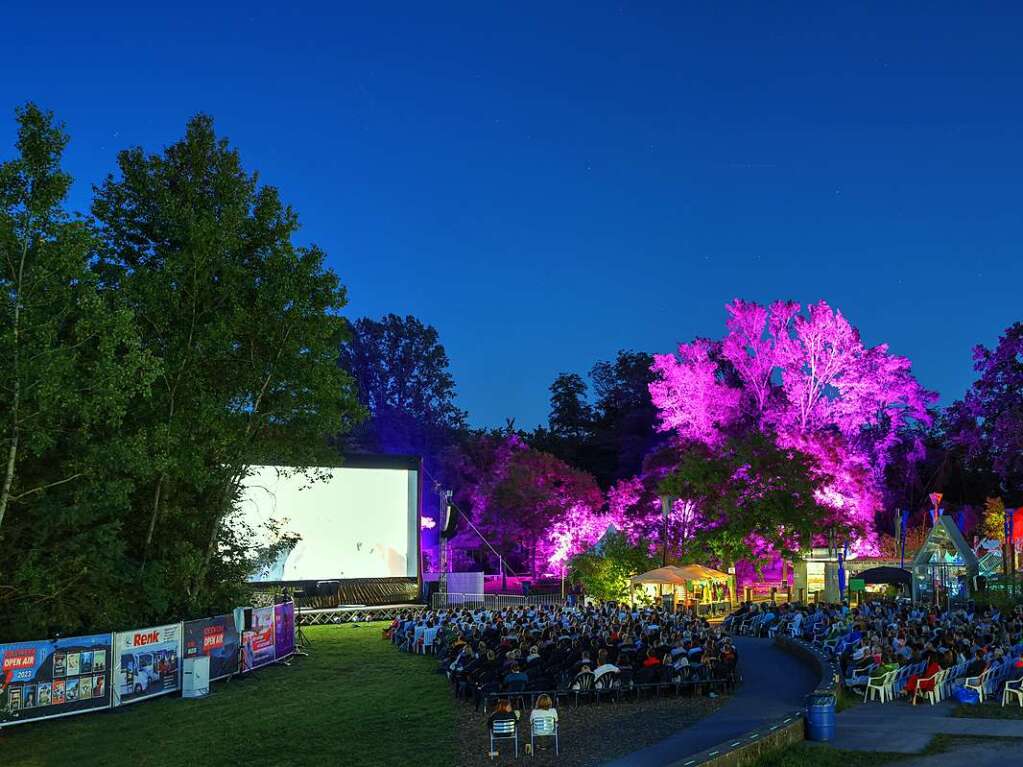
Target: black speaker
[246,619]
[450,526]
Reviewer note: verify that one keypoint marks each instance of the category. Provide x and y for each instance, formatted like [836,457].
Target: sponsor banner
[284,629]
[41,680]
[148,663]
[258,644]
[216,638]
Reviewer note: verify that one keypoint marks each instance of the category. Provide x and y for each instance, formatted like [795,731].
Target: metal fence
[492,601]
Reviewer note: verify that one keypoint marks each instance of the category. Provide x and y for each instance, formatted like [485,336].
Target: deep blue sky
[551,183]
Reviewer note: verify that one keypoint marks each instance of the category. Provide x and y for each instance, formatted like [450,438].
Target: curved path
[775,683]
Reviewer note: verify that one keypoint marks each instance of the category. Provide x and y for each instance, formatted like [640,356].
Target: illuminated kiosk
[945,565]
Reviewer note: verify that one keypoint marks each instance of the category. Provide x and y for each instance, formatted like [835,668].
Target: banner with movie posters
[216,638]
[258,643]
[284,629]
[148,663]
[59,677]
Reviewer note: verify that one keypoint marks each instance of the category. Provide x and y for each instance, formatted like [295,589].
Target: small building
[945,566]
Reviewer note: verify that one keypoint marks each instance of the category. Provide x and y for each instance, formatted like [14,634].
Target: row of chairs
[939,686]
[613,686]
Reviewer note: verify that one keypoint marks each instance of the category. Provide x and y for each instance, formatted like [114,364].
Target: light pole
[666,501]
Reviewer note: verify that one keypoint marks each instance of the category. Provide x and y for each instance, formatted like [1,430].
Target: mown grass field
[354,701]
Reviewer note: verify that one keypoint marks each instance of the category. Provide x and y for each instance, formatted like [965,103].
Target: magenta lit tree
[532,507]
[808,379]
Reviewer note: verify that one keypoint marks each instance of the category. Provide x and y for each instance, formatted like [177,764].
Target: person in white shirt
[544,710]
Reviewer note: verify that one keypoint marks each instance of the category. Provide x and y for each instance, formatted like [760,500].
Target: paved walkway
[775,683]
[902,728]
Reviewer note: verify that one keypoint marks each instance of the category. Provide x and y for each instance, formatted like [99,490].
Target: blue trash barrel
[820,717]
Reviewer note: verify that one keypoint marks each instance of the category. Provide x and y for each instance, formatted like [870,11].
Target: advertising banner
[258,644]
[216,638]
[284,629]
[148,663]
[59,677]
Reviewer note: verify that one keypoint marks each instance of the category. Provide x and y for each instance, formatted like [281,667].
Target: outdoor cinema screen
[353,522]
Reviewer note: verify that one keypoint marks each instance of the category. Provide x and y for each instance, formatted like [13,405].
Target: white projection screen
[357,521]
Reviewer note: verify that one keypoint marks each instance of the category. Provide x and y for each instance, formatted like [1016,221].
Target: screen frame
[371,461]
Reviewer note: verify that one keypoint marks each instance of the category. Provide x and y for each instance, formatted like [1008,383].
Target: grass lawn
[354,701]
[805,754]
[993,710]
[822,755]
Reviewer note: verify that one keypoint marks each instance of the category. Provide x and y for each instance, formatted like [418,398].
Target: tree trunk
[152,522]
[12,452]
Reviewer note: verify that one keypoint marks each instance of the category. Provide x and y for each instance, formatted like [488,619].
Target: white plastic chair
[978,683]
[1013,688]
[881,687]
[934,694]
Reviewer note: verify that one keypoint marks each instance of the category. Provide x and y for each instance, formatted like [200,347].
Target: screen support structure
[445,500]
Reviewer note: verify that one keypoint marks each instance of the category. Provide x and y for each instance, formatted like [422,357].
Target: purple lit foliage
[534,508]
[808,379]
[988,421]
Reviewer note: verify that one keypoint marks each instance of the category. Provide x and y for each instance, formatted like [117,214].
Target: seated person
[544,710]
[515,676]
[502,713]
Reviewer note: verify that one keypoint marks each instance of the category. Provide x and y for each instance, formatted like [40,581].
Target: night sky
[548,183]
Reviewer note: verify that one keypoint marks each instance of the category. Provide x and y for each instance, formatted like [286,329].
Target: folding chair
[543,728]
[504,729]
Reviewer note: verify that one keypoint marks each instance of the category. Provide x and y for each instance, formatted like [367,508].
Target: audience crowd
[572,649]
[881,636]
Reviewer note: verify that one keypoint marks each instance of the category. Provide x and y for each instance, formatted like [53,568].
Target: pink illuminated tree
[809,381]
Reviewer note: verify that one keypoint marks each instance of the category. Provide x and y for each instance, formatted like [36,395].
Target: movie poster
[284,629]
[39,681]
[216,638]
[148,663]
[258,644]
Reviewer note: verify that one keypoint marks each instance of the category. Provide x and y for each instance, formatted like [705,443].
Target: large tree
[752,498]
[71,365]
[246,325]
[402,375]
[808,380]
[532,507]
[988,422]
[610,435]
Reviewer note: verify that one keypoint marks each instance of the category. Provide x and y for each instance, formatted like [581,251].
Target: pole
[666,501]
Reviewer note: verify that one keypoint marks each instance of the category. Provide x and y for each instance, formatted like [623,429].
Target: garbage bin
[820,717]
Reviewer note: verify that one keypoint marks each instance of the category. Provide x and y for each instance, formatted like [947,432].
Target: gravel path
[590,734]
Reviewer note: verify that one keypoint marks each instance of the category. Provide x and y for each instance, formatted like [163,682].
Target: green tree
[751,497]
[605,569]
[72,364]
[246,326]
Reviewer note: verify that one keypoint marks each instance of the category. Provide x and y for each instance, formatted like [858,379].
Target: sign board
[857,584]
[148,663]
[217,639]
[284,629]
[258,643]
[51,678]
